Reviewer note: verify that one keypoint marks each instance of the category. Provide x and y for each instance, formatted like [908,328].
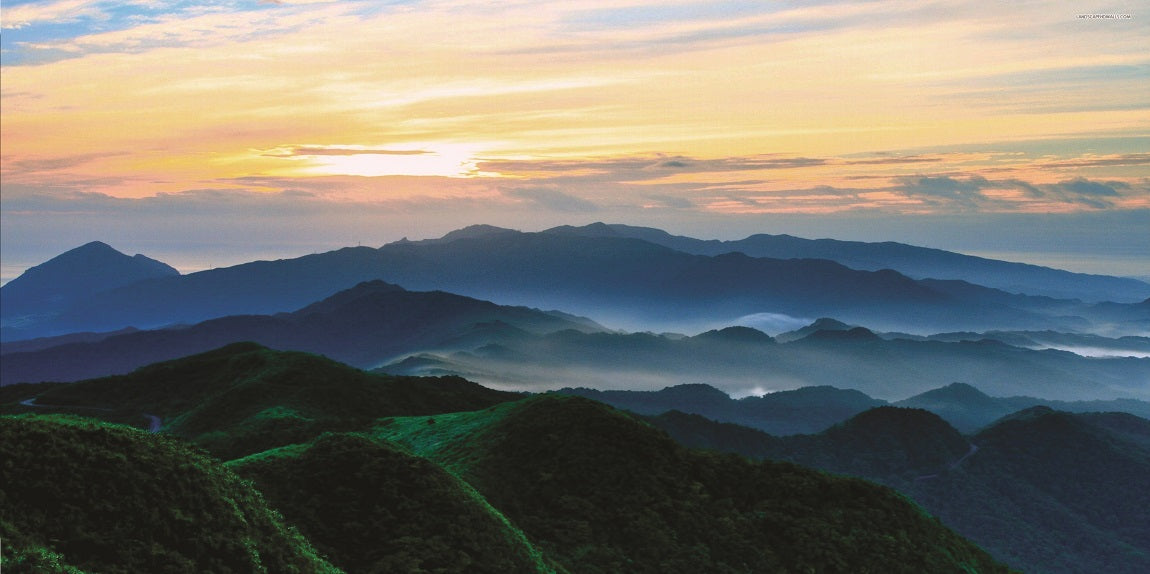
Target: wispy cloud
[552,199]
[546,108]
[22,15]
[341,150]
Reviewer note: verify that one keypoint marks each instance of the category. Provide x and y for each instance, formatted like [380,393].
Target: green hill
[600,491]
[547,483]
[371,507]
[1043,490]
[245,398]
[80,495]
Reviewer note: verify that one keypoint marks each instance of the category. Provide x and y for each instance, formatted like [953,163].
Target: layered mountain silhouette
[917,262]
[738,363]
[621,280]
[1046,491]
[410,474]
[434,333]
[362,326]
[969,409]
[805,410]
[809,410]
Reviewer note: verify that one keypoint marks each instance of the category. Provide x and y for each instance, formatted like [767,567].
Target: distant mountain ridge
[731,359]
[363,326]
[801,411]
[913,261]
[626,281]
[969,409]
[810,410]
[418,333]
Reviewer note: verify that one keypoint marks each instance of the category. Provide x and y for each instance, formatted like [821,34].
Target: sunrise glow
[680,113]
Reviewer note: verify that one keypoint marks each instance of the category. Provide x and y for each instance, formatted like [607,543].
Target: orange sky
[678,113]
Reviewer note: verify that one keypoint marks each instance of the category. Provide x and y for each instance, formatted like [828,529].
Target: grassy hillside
[245,398]
[543,484]
[79,494]
[371,507]
[602,492]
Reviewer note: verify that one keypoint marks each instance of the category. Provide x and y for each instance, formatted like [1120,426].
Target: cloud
[552,199]
[671,201]
[1084,187]
[967,193]
[341,150]
[21,15]
[51,164]
[639,168]
[1089,193]
[1130,159]
[892,160]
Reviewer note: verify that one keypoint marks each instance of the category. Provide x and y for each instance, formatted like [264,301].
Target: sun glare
[442,160]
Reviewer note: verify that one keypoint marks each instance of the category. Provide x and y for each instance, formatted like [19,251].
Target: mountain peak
[697,391]
[475,231]
[470,232]
[1028,414]
[98,253]
[829,324]
[75,274]
[93,247]
[855,334]
[956,392]
[597,229]
[737,333]
[348,296]
[820,324]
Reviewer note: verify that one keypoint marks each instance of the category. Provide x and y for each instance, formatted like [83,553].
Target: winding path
[154,422]
[969,453]
[973,449]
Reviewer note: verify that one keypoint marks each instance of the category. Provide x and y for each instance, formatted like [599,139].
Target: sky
[211,133]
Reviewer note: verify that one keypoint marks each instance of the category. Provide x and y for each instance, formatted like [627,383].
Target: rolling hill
[370,506]
[541,484]
[1043,490]
[602,492]
[244,398]
[80,495]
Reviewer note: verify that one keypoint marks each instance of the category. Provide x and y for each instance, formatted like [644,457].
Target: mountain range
[371,409]
[808,410]
[362,326]
[618,280]
[742,361]
[910,260]
[376,324]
